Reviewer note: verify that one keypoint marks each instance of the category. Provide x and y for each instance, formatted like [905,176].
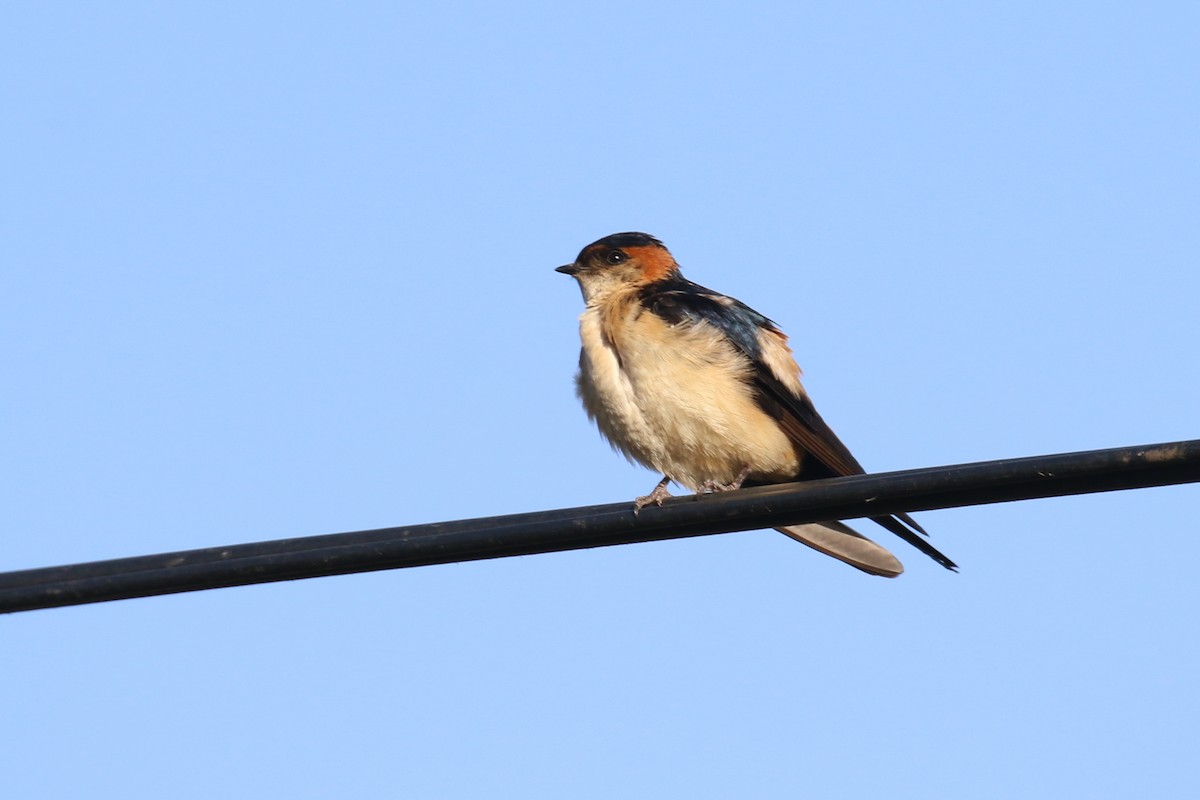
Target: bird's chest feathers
[638,363]
[605,384]
[673,397]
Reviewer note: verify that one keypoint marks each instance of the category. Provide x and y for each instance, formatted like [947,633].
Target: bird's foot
[655,497]
[711,486]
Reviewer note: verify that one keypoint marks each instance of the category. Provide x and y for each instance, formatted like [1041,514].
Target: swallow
[704,390]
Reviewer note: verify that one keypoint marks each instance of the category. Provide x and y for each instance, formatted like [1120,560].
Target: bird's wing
[775,379]
[780,394]
[774,374]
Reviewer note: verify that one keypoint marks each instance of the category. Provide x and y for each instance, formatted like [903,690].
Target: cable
[600,526]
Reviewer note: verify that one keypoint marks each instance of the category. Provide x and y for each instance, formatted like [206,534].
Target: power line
[599,526]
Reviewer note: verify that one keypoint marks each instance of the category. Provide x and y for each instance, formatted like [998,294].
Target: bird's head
[618,261]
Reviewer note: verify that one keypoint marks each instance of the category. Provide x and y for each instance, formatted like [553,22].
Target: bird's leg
[656,497]
[736,483]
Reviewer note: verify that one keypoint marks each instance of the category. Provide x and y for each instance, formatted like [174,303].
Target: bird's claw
[711,486]
[656,497]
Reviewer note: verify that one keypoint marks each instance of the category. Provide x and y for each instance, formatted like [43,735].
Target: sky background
[280,269]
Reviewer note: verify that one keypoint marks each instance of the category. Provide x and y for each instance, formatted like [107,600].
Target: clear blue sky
[283,269]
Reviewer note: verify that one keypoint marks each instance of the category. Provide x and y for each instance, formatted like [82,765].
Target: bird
[705,390]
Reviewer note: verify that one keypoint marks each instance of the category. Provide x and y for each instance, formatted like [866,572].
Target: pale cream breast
[675,397]
[608,396]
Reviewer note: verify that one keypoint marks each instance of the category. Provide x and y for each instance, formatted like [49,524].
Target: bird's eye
[615,257]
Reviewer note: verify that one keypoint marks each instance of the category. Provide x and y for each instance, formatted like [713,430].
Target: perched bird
[703,389]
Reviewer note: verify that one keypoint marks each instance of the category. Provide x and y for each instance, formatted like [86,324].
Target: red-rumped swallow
[704,389]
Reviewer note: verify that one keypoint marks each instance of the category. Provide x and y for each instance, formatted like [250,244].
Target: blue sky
[278,269]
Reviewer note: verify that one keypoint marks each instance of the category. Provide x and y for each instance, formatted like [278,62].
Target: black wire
[600,526]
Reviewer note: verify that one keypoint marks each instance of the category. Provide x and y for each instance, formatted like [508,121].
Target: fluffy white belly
[676,400]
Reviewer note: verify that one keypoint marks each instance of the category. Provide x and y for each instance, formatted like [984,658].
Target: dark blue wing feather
[678,300]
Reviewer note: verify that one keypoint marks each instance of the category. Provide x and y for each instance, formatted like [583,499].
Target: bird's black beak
[568,269]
